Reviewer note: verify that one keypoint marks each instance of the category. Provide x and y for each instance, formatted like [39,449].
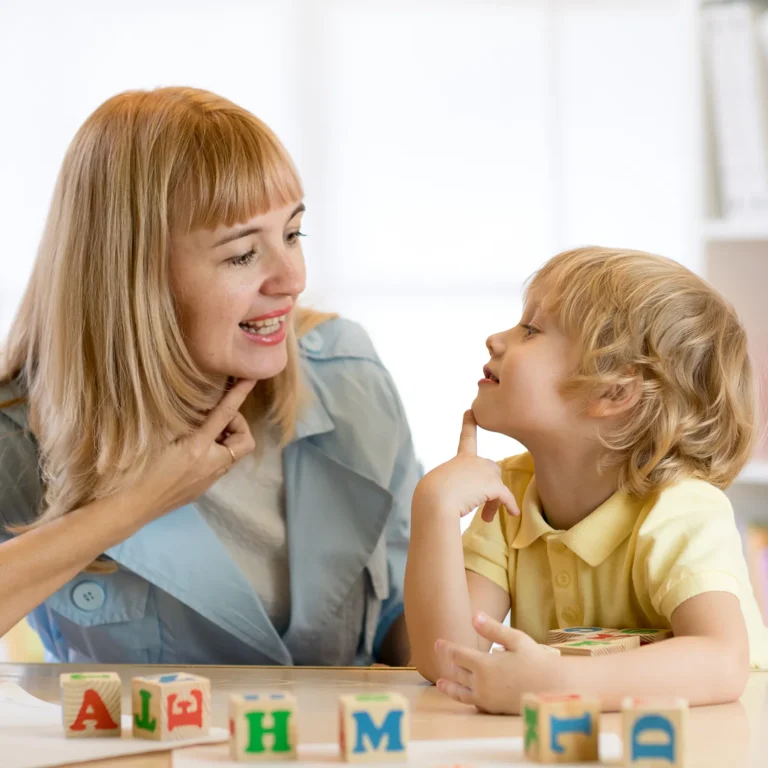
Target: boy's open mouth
[489,374]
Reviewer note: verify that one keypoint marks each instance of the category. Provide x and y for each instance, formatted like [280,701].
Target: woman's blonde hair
[96,344]
[643,320]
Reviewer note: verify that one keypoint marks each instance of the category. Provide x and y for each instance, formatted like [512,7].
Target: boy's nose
[494,344]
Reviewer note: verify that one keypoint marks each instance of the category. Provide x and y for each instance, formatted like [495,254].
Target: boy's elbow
[426,667]
[734,675]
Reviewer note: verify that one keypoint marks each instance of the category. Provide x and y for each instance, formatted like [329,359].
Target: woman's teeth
[262,327]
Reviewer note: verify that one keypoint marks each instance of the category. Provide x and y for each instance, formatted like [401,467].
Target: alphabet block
[262,726]
[654,732]
[170,707]
[374,728]
[90,704]
[586,646]
[561,728]
[646,636]
[563,635]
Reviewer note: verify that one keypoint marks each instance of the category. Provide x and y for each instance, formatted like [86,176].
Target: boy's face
[520,394]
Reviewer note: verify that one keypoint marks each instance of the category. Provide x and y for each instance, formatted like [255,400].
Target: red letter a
[93,708]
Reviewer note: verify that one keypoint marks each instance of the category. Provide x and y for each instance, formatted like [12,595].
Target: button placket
[562,564]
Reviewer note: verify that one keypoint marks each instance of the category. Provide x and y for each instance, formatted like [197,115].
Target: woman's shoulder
[20,489]
[13,407]
[347,374]
[338,338]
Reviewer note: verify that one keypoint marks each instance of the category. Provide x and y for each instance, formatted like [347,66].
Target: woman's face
[235,288]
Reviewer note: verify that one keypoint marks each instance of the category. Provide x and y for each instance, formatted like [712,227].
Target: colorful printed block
[654,732]
[171,707]
[90,704]
[561,728]
[556,636]
[374,728]
[646,636]
[572,633]
[262,726]
[587,646]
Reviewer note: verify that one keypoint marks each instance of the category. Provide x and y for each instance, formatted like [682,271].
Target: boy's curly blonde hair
[643,316]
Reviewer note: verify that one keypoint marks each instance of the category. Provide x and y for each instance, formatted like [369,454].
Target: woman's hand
[495,682]
[466,481]
[190,465]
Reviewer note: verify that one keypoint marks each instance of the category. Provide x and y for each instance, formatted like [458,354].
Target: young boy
[628,381]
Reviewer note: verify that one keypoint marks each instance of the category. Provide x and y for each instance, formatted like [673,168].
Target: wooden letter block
[589,647]
[90,704]
[572,633]
[561,728]
[171,707]
[262,726]
[654,732]
[646,636]
[374,728]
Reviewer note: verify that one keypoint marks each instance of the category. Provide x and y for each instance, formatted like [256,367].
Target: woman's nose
[287,274]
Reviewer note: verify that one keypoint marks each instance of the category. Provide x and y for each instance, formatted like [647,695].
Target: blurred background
[447,149]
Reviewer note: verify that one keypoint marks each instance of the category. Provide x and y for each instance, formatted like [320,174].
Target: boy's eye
[528,330]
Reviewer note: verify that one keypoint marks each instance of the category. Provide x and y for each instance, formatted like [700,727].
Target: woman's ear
[615,399]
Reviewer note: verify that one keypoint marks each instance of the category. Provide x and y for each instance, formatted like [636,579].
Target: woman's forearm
[437,603]
[702,670]
[34,564]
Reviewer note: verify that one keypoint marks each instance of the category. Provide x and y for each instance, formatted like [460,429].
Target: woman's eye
[243,260]
[293,237]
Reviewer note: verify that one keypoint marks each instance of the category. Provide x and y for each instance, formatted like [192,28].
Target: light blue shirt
[179,598]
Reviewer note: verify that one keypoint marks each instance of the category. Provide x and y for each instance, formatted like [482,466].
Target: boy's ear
[615,399]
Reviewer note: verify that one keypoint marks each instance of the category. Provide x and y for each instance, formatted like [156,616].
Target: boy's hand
[495,682]
[466,481]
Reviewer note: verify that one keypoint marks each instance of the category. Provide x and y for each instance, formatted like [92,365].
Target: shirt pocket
[105,618]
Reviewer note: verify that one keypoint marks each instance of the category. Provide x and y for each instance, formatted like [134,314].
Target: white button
[88,596]
[312,341]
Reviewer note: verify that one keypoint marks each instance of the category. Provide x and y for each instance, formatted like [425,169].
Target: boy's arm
[706,662]
[440,596]
[438,604]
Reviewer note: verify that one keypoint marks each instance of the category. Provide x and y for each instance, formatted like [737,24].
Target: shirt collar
[594,538]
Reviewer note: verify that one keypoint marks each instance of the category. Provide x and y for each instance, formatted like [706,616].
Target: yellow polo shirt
[629,564]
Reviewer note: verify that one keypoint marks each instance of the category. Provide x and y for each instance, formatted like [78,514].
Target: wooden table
[730,736]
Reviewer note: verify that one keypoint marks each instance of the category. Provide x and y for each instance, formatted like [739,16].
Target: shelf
[736,230]
[755,473]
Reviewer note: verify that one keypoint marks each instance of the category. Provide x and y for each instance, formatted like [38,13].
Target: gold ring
[231,453]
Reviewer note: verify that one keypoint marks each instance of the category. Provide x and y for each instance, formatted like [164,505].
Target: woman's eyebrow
[245,231]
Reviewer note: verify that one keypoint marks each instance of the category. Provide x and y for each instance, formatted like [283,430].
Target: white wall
[448,148]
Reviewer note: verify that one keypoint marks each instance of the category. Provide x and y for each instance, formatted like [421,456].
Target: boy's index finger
[468,438]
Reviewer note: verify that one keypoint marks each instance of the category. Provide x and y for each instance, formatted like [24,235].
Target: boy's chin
[484,416]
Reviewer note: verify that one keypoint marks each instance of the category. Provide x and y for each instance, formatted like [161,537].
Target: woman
[158,344]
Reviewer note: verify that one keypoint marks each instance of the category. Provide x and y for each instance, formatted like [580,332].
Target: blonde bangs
[231,168]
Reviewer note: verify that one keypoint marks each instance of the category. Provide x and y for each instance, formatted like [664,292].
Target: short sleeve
[486,551]
[688,545]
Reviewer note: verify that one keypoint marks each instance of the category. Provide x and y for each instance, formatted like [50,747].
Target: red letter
[93,708]
[195,717]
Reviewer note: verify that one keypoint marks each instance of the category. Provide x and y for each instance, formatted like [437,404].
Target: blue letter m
[390,727]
